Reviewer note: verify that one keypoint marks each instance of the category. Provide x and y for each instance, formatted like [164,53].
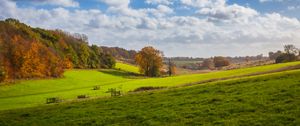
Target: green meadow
[270,99]
[30,93]
[127,67]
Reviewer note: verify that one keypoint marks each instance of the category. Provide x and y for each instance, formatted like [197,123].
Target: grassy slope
[262,100]
[78,82]
[127,67]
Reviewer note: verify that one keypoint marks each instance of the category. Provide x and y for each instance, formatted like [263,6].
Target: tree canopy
[150,61]
[27,52]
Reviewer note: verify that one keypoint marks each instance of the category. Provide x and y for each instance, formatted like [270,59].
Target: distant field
[127,67]
[272,99]
[78,82]
[182,63]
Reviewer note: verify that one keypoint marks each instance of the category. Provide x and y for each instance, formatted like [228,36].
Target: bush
[283,58]
[221,61]
[82,96]
[147,88]
[53,100]
[96,87]
[114,92]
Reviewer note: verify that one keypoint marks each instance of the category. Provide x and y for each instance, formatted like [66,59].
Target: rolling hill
[270,99]
[31,93]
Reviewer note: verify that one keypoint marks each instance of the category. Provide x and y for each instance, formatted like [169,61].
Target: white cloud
[160,11]
[204,3]
[165,2]
[218,10]
[262,1]
[63,3]
[294,7]
[116,3]
[229,12]
[221,29]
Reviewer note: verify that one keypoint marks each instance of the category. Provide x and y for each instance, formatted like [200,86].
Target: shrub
[285,58]
[147,88]
[221,61]
[82,96]
[114,92]
[96,87]
[53,100]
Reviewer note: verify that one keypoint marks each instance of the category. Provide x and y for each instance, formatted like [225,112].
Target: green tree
[273,55]
[108,61]
[289,55]
[83,55]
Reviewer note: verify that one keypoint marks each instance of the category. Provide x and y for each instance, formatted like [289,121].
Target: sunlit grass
[127,67]
[78,82]
[271,99]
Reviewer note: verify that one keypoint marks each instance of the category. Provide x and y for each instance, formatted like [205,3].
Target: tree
[27,52]
[172,68]
[283,58]
[289,55]
[2,71]
[83,55]
[149,61]
[32,65]
[108,61]
[273,55]
[220,61]
[208,63]
[290,49]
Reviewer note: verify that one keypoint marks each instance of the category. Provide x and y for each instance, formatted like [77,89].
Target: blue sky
[198,28]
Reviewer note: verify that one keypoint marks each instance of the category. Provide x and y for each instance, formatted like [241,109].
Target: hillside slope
[272,99]
[27,52]
[127,67]
[81,82]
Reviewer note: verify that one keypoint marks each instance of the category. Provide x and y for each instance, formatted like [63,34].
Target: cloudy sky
[198,28]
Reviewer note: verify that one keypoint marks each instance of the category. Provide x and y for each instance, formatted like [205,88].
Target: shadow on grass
[121,73]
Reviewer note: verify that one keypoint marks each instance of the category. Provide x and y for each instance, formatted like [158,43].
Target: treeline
[290,53]
[27,52]
[183,59]
[120,53]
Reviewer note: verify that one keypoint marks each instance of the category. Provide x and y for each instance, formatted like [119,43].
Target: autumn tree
[220,61]
[32,65]
[149,60]
[171,68]
[2,71]
[208,63]
[27,52]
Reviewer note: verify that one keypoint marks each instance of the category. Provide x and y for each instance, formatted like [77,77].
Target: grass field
[127,67]
[78,82]
[272,99]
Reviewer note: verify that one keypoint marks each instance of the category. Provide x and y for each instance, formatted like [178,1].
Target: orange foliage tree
[33,64]
[149,60]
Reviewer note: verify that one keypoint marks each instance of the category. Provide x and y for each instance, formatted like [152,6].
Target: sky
[193,28]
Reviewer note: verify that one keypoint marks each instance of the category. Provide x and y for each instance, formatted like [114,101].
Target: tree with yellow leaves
[149,60]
